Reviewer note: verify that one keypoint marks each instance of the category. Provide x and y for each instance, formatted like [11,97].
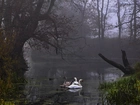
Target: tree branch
[119,66]
[126,70]
[124,58]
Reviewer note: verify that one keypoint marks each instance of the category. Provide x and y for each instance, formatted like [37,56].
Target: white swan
[75,86]
[75,82]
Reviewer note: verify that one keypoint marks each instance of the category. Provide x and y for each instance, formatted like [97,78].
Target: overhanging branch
[126,69]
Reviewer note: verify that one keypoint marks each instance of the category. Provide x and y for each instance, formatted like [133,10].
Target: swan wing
[75,83]
[74,87]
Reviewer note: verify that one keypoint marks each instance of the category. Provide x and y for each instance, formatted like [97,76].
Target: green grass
[125,91]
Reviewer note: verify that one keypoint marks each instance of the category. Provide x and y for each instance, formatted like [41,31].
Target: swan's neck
[75,79]
[80,82]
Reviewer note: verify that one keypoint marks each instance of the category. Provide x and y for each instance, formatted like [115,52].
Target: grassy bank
[124,91]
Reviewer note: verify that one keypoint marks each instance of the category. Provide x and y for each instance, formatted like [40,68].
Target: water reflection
[47,74]
[74,90]
[40,87]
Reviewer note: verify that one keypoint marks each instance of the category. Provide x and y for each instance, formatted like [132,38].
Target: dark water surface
[46,74]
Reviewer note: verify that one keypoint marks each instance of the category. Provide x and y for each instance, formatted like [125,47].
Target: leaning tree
[19,20]
[22,17]
[39,22]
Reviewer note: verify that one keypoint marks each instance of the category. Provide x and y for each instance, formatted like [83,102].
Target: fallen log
[126,69]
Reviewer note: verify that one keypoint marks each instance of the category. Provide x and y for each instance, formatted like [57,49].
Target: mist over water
[47,72]
[62,39]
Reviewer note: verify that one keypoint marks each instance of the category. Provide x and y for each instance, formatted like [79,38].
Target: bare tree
[102,17]
[36,21]
[105,18]
[135,20]
[41,23]
[81,6]
[119,17]
[131,26]
[22,18]
[99,20]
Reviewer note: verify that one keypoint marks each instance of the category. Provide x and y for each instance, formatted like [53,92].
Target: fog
[81,30]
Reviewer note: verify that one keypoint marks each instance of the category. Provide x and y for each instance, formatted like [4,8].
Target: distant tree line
[52,23]
[58,24]
[98,13]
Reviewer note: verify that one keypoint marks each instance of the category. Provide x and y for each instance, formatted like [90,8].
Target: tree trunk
[20,24]
[119,18]
[99,21]
[126,69]
[102,20]
[105,18]
[135,21]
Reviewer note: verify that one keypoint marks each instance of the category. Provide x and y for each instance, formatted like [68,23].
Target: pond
[46,74]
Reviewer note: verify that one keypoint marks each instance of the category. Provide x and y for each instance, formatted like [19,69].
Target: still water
[46,74]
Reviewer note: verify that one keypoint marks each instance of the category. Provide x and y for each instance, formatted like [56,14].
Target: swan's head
[80,80]
[75,78]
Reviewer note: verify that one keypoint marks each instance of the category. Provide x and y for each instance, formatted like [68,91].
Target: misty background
[77,33]
[61,39]
[83,29]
